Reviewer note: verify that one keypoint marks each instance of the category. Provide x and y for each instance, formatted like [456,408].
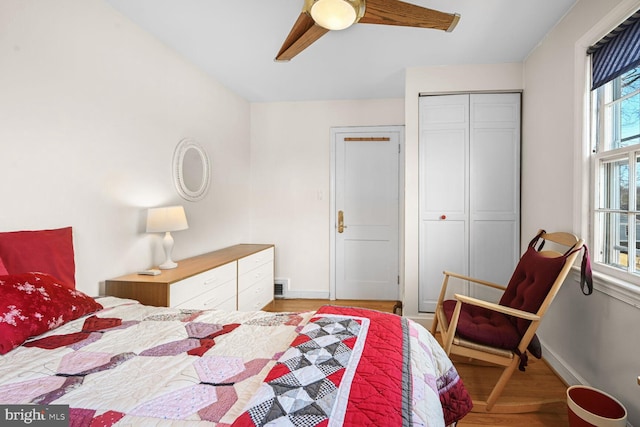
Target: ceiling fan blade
[396,12]
[304,32]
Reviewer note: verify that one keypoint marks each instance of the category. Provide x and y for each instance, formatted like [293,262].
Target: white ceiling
[236,40]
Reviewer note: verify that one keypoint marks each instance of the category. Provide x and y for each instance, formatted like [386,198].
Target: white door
[366,227]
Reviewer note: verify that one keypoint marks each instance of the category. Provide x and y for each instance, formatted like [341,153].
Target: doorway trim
[399,129]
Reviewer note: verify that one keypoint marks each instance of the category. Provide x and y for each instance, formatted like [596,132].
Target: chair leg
[443,290]
[502,382]
[434,324]
[449,334]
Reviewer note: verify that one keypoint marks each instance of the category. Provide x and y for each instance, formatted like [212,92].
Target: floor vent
[279,287]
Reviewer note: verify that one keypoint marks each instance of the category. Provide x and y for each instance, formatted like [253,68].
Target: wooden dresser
[239,277]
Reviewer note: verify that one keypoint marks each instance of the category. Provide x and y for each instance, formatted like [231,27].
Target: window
[616,215]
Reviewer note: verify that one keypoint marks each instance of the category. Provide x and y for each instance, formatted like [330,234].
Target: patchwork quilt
[135,365]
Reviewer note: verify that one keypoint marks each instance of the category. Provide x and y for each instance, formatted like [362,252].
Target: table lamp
[165,220]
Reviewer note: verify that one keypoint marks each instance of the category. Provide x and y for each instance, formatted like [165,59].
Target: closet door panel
[444,111]
[494,194]
[444,197]
[495,154]
[494,173]
[444,179]
[493,249]
[443,246]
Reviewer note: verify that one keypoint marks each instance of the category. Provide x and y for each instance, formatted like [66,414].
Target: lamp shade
[335,14]
[171,218]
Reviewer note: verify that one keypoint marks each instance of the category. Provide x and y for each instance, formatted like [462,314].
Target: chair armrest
[497,307]
[478,281]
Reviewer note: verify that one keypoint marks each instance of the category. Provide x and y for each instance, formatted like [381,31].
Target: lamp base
[168,265]
[167,243]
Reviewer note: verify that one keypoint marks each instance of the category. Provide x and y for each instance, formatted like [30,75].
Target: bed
[116,362]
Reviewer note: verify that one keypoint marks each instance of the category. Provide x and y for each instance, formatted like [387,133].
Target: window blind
[616,53]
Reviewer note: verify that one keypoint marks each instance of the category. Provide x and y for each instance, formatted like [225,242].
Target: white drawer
[194,286]
[250,262]
[225,294]
[257,296]
[228,305]
[265,271]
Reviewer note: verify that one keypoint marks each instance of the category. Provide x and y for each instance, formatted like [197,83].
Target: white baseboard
[289,294]
[561,367]
[424,319]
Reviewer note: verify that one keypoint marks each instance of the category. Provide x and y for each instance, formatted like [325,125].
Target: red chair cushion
[530,283]
[489,327]
[484,326]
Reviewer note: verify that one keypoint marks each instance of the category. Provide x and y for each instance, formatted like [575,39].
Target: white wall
[444,79]
[592,339]
[290,166]
[91,109]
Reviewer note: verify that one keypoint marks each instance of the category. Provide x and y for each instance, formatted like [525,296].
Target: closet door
[444,196]
[469,191]
[494,189]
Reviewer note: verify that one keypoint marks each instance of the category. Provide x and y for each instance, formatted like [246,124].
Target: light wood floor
[538,382]
[314,304]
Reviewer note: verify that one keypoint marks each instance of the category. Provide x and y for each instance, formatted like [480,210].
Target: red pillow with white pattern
[33,303]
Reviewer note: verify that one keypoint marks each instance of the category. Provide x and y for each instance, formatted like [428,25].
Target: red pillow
[46,251]
[33,303]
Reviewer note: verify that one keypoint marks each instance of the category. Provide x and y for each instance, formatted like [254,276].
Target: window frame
[603,283]
[599,101]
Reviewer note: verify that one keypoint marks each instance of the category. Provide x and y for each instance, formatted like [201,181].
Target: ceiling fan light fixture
[335,14]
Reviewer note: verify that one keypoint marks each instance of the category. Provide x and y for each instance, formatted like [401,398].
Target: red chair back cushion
[530,283]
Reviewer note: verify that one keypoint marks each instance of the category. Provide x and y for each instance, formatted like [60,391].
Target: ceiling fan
[320,16]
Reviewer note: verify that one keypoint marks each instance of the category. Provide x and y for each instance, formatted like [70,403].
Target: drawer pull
[210,281]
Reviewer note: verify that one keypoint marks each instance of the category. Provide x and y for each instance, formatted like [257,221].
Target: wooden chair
[501,333]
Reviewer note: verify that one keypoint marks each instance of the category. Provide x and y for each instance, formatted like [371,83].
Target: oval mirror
[191,170]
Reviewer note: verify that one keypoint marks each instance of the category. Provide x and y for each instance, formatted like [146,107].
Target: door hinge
[398,279]
[399,149]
